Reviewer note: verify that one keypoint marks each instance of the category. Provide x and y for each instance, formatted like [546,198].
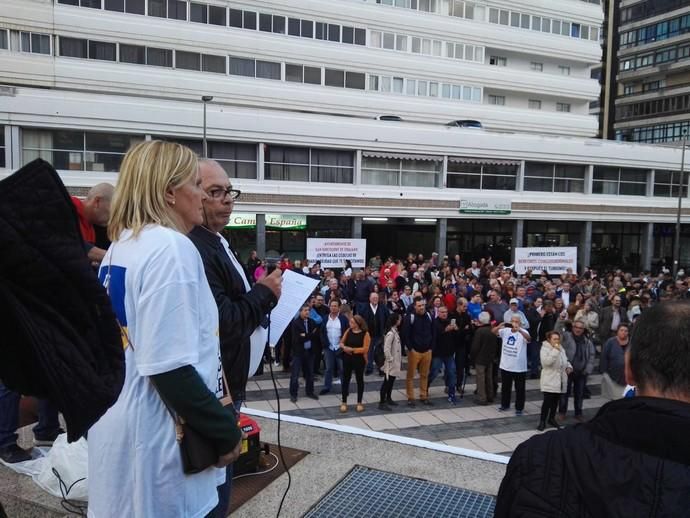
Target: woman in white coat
[392,367]
[555,368]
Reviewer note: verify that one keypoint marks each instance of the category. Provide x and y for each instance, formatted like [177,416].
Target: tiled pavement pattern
[465,424]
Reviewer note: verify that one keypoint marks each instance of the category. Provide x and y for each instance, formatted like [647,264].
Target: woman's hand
[568,370]
[231,457]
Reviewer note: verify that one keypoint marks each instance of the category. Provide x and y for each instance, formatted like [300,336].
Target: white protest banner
[332,253]
[553,260]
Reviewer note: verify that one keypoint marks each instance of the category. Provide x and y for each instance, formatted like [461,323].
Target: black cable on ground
[280,448]
[71,506]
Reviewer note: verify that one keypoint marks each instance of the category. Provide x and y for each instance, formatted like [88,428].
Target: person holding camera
[513,363]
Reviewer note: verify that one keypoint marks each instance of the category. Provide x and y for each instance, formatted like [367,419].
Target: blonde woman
[555,368]
[158,288]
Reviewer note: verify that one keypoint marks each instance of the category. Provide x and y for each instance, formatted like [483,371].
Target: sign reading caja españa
[484,205]
[273,221]
[553,260]
[332,253]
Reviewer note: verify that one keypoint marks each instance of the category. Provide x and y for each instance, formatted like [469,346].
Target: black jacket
[632,460]
[485,346]
[376,324]
[239,312]
[445,342]
[297,330]
[60,338]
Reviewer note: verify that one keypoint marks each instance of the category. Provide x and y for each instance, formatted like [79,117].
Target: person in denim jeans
[580,352]
[45,432]
[447,335]
[332,331]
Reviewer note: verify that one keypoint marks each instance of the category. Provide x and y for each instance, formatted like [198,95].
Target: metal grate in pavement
[370,493]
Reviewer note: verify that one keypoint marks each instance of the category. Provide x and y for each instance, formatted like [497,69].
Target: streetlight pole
[676,243]
[205,99]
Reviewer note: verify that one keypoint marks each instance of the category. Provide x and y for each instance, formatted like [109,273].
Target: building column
[13,148]
[520,183]
[441,236]
[357,227]
[518,233]
[357,177]
[260,156]
[589,176]
[261,235]
[584,252]
[647,245]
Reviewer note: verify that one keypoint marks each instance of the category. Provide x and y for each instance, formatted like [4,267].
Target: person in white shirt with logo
[513,364]
[159,292]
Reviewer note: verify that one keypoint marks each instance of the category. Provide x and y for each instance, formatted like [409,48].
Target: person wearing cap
[483,354]
[514,311]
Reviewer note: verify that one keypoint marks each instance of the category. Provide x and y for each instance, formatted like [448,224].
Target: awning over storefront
[481,161]
[402,156]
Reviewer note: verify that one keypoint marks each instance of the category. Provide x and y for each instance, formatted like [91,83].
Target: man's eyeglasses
[220,194]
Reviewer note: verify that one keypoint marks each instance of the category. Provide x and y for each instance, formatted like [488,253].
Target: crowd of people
[448,316]
[190,312]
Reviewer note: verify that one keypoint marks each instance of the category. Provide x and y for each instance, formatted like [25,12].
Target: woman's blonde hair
[148,170]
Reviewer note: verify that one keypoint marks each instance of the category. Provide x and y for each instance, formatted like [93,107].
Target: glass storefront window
[475,173]
[77,150]
[412,171]
[544,177]
[299,164]
[619,181]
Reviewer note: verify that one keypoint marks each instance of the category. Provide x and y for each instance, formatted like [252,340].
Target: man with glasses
[580,352]
[241,309]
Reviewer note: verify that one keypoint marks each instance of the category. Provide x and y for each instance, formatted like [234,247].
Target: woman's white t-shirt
[160,294]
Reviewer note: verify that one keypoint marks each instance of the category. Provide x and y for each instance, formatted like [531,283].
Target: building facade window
[564,70]
[4,39]
[499,61]
[520,20]
[552,233]
[425,46]
[563,107]
[77,150]
[412,171]
[477,173]
[126,6]
[534,104]
[425,88]
[34,43]
[300,164]
[666,184]
[544,177]
[663,132]
[537,67]
[497,100]
[303,74]
[619,181]
[659,31]
[616,245]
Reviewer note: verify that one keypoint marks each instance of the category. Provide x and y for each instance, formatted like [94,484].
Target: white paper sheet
[296,289]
